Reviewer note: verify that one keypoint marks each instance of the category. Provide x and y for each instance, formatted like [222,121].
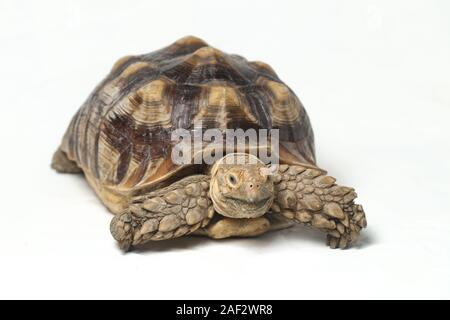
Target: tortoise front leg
[170,212]
[312,198]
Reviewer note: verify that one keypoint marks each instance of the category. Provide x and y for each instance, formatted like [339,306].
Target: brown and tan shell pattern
[120,137]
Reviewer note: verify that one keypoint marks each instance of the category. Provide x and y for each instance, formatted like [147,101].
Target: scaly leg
[310,197]
[62,164]
[170,212]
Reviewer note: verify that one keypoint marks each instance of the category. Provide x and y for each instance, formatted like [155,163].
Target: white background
[374,77]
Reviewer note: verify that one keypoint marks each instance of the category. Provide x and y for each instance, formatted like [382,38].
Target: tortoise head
[240,187]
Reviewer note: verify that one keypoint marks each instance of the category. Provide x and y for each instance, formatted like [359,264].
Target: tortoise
[120,139]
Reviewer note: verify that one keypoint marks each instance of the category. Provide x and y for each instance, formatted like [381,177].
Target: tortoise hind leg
[63,164]
[171,212]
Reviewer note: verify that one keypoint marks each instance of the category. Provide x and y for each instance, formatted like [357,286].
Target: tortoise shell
[120,136]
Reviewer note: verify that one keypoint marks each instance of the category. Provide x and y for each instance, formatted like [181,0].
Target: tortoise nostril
[251,186]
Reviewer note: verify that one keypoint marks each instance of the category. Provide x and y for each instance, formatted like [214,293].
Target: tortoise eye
[232,180]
